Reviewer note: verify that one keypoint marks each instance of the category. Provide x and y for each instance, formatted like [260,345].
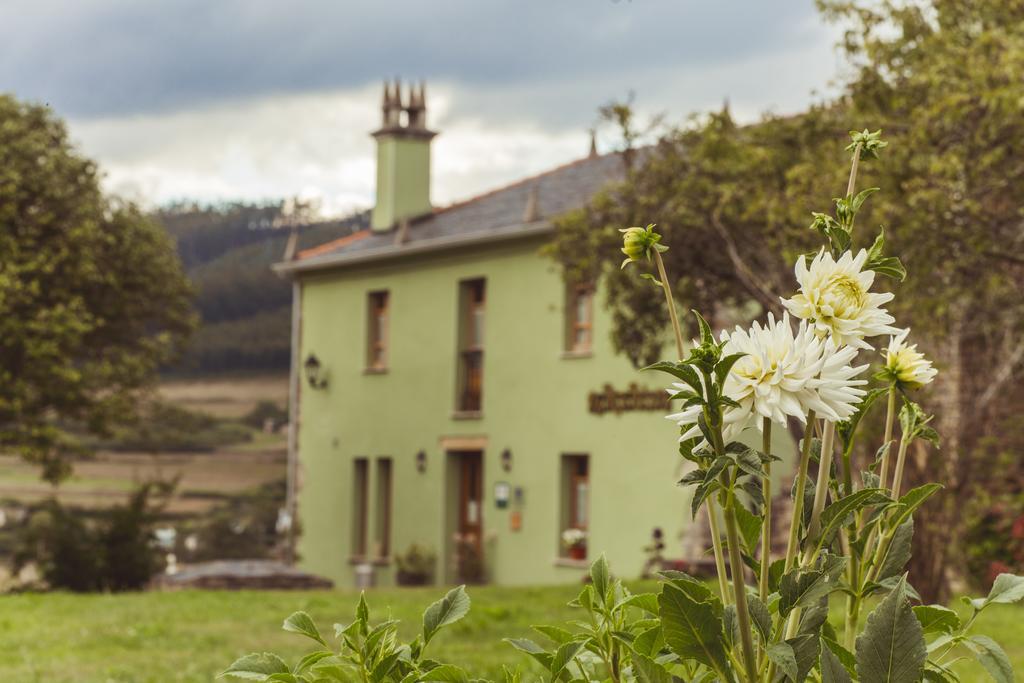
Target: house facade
[451,391]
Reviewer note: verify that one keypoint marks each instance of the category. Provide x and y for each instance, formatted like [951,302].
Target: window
[383,509]
[575,505]
[579,309]
[377,327]
[360,505]
[472,298]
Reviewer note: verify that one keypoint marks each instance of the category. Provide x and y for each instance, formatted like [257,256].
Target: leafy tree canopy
[92,295]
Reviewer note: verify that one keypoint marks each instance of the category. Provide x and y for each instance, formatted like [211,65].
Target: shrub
[165,427]
[244,527]
[415,566]
[112,552]
[264,411]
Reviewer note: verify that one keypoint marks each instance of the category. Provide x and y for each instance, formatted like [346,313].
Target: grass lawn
[190,636]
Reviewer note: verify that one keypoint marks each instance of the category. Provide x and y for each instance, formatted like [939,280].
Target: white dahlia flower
[834,298]
[782,374]
[906,365]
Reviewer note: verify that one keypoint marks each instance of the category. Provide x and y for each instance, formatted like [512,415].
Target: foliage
[243,527]
[415,567]
[942,78]
[365,652]
[244,306]
[266,411]
[113,552]
[165,427]
[92,297]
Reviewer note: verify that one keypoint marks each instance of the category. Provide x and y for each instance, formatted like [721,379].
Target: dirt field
[227,396]
[206,478]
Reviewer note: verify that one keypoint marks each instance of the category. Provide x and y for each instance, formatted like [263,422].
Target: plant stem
[739,588]
[890,417]
[824,473]
[670,301]
[798,503]
[852,183]
[716,546]
[766,526]
[897,478]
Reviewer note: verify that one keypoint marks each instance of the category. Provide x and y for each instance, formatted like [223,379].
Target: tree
[92,295]
[943,80]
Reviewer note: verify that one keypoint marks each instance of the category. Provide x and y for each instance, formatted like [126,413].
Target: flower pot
[578,552]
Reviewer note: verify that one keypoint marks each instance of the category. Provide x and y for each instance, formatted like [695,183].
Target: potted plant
[415,566]
[575,543]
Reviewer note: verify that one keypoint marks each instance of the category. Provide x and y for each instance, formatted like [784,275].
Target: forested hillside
[227,251]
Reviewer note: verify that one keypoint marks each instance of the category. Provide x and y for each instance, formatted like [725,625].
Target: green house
[449,390]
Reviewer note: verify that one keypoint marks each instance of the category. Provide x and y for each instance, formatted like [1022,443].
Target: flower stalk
[739,588]
[766,525]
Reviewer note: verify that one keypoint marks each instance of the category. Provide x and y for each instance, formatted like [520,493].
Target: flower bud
[637,243]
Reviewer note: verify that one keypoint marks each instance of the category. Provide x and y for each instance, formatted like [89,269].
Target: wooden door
[469,551]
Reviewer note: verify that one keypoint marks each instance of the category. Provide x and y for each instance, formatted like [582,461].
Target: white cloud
[317,145]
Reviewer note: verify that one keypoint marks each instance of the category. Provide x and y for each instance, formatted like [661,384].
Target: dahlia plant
[766,619]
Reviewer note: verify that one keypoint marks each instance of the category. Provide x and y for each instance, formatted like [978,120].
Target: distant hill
[227,251]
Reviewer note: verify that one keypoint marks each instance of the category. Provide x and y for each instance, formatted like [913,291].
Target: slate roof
[501,214]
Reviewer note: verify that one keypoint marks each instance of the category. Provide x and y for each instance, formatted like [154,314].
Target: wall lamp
[506,460]
[315,373]
[421,462]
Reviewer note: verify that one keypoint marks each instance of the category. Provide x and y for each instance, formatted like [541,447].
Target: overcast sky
[256,99]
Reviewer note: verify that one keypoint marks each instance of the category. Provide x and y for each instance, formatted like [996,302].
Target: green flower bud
[637,243]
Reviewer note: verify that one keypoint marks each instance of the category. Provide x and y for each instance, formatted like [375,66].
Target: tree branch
[744,272]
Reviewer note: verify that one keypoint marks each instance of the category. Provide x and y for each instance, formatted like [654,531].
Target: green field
[189,636]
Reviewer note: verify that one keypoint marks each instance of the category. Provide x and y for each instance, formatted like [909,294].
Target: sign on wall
[635,398]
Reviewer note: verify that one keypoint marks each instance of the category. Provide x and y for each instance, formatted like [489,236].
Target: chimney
[403,157]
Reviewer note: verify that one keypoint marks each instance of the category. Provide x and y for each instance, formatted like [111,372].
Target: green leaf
[302,623]
[445,611]
[749,527]
[803,587]
[912,500]
[311,659]
[1006,589]
[648,602]
[256,666]
[363,612]
[845,657]
[554,633]
[832,669]
[937,619]
[899,551]
[446,673]
[836,514]
[646,670]
[992,658]
[891,649]
[599,578]
[680,371]
[706,336]
[760,617]
[649,642]
[565,653]
[693,630]
[785,659]
[534,650]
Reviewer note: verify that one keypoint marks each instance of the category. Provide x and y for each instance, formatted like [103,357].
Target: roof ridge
[333,244]
[521,181]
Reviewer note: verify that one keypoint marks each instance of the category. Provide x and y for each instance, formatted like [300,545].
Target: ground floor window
[384,497]
[575,506]
[360,505]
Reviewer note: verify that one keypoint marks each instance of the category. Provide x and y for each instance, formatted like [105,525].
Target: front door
[469,556]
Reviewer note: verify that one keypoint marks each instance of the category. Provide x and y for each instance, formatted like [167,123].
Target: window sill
[467,415]
[571,355]
[376,562]
[375,371]
[571,563]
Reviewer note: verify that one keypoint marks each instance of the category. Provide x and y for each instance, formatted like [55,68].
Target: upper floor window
[579,327]
[377,326]
[472,300]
